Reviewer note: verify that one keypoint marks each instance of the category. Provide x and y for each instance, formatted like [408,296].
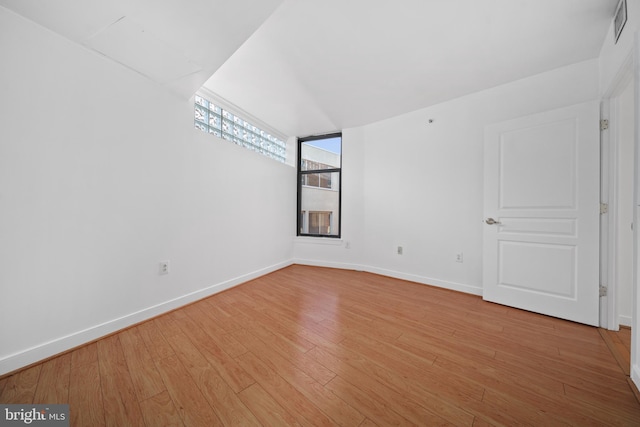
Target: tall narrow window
[319,183]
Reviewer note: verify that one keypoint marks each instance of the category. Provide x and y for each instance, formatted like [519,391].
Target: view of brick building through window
[319,173]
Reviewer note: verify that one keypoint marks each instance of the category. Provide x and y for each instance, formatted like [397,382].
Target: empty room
[296,212]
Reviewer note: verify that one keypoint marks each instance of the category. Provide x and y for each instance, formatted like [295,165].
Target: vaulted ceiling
[307,67]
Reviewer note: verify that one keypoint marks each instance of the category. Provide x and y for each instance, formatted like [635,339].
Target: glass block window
[212,119]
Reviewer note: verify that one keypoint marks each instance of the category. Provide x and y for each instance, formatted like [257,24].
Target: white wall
[101,177]
[419,184]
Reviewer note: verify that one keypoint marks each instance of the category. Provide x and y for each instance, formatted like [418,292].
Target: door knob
[492,221]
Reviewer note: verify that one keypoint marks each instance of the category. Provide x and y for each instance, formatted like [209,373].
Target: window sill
[318,240]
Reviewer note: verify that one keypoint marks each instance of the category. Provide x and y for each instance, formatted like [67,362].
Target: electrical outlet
[163,267]
[459,257]
[347,245]
[400,250]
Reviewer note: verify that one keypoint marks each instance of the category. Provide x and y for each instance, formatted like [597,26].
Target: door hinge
[604,124]
[604,208]
[603,291]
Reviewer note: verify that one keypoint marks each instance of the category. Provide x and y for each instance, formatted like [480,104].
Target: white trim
[625,320]
[622,78]
[609,317]
[635,371]
[330,264]
[59,345]
[318,240]
[460,287]
[635,375]
[613,224]
[607,221]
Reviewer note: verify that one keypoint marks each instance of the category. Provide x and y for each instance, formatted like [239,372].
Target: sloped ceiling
[319,66]
[178,44]
[308,66]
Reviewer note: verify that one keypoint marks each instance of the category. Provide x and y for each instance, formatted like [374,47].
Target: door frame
[631,66]
[635,320]
[609,226]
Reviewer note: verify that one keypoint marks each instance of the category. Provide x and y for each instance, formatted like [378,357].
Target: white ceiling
[308,66]
[178,44]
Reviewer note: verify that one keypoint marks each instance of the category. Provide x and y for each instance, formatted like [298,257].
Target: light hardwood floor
[316,346]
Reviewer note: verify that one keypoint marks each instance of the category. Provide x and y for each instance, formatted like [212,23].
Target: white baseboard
[469,289]
[59,345]
[329,264]
[625,320]
[460,287]
[635,375]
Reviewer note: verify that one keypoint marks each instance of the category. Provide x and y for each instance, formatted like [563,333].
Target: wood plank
[54,380]
[225,339]
[189,401]
[225,365]
[85,355]
[371,404]
[210,379]
[21,386]
[495,374]
[301,361]
[265,408]
[218,310]
[284,393]
[516,412]
[398,388]
[338,410]
[388,354]
[479,422]
[121,405]
[268,329]
[159,410]
[154,341]
[518,345]
[425,343]
[600,363]
[617,349]
[144,375]
[616,405]
[86,406]
[224,401]
[634,389]
[624,335]
[288,327]
[564,371]
[518,388]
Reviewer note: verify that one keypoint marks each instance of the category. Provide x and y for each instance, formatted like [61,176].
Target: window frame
[300,175]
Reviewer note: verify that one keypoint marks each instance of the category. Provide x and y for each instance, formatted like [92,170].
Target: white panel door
[542,210]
